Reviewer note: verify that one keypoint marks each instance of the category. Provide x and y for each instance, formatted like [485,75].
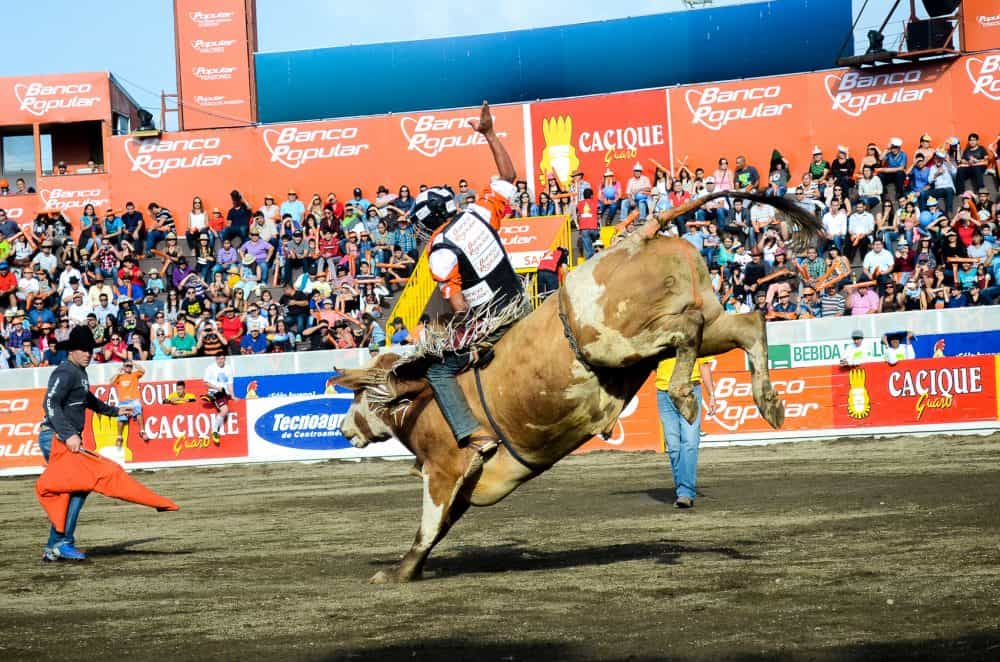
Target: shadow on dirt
[125,549]
[459,649]
[971,646]
[517,556]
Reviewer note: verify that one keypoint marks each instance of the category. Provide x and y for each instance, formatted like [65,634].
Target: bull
[563,373]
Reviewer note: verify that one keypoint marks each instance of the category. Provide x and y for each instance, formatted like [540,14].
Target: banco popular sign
[430,134]
[155,158]
[714,108]
[855,93]
[293,147]
[39,99]
[984,72]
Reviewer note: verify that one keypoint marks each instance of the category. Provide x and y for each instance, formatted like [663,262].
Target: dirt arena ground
[822,551]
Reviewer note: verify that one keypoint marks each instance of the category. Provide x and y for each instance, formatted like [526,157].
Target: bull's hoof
[383,577]
[685,402]
[774,409]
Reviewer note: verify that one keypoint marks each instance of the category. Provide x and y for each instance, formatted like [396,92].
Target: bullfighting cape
[69,472]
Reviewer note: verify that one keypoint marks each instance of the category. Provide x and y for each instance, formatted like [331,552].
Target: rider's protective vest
[488,278]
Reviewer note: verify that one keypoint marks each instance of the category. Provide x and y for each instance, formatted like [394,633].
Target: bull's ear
[353,379]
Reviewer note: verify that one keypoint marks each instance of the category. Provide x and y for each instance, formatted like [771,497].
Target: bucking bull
[563,373]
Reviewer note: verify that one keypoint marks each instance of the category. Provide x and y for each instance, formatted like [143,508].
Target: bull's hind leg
[443,505]
[685,331]
[748,332]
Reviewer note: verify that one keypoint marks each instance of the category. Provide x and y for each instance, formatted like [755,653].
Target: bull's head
[381,403]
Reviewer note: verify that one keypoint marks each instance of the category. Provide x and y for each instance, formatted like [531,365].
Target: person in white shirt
[78,309]
[870,187]
[878,258]
[254,320]
[98,289]
[219,379]
[835,224]
[271,211]
[74,287]
[637,192]
[27,285]
[105,309]
[860,227]
[197,223]
[894,350]
[67,276]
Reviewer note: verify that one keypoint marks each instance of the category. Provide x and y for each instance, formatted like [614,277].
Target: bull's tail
[805,228]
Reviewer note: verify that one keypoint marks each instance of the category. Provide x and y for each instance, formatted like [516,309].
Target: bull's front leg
[685,335]
[443,505]
[748,332]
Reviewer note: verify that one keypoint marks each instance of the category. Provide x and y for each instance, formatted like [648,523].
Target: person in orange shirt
[126,382]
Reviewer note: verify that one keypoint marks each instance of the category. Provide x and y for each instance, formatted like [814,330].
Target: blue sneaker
[68,552]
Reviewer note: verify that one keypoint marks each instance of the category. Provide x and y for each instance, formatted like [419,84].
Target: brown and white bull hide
[647,298]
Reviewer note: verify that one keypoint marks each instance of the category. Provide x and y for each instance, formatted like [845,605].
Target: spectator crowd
[904,231]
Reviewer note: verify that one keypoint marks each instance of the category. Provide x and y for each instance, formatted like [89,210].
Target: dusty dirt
[824,551]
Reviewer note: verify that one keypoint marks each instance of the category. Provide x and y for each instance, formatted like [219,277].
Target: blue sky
[135,40]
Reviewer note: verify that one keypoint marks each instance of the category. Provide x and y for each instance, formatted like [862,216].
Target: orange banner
[850,107]
[980,25]
[215,44]
[174,168]
[20,415]
[595,133]
[56,98]
[315,157]
[749,118]
[527,239]
[69,194]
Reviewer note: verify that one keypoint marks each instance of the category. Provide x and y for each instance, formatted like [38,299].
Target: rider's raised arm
[505,167]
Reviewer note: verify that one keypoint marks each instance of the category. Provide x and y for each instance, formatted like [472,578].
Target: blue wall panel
[740,41]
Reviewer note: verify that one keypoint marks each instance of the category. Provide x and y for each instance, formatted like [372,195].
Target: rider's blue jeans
[450,398]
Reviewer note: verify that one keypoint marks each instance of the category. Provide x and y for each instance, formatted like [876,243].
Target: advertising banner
[312,158]
[176,433]
[919,392]
[179,432]
[175,167]
[214,41]
[829,108]
[975,89]
[20,415]
[283,386]
[595,133]
[807,393]
[748,117]
[853,107]
[820,352]
[980,25]
[430,148]
[527,239]
[305,428]
[55,98]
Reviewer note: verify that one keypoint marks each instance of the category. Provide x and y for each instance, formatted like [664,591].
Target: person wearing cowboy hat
[66,400]
[942,180]
[610,198]
[637,193]
[893,167]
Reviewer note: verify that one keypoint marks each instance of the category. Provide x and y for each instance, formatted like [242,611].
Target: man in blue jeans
[66,401]
[682,438]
